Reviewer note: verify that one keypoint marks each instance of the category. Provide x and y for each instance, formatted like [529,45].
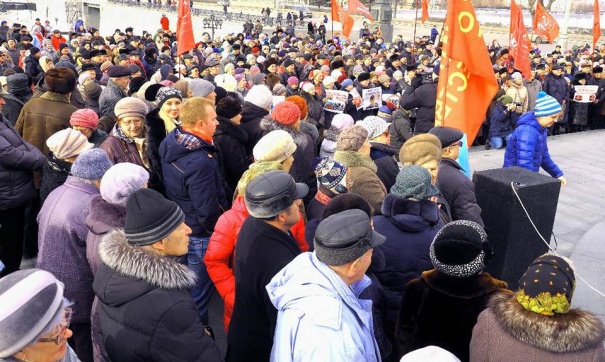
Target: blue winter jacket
[319,317]
[527,147]
[193,180]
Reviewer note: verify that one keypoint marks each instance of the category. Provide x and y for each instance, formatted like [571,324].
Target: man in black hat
[117,85]
[264,246]
[213,68]
[32,63]
[424,98]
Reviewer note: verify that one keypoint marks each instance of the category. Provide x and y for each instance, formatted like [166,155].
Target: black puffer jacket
[231,140]
[17,161]
[252,115]
[145,309]
[424,98]
[386,166]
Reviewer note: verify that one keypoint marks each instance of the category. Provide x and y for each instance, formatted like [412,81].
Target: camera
[518,104]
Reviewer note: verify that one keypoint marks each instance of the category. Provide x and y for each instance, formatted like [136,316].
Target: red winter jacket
[221,252]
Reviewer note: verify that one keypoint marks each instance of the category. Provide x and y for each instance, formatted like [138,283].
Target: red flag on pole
[545,24]
[425,10]
[466,79]
[339,15]
[356,7]
[519,41]
[184,29]
[335,7]
[596,25]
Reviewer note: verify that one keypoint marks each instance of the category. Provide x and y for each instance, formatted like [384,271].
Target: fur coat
[507,332]
[145,310]
[362,178]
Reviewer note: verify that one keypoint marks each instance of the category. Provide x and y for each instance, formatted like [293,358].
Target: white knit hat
[276,145]
[68,143]
[260,96]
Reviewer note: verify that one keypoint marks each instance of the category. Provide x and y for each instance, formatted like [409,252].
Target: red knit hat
[301,104]
[84,118]
[286,113]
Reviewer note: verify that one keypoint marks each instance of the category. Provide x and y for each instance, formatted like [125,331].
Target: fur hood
[136,262]
[105,216]
[355,159]
[268,125]
[332,134]
[562,333]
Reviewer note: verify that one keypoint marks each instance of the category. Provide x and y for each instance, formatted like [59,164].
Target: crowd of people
[333,229]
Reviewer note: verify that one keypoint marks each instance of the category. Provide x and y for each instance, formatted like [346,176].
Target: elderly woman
[36,324]
[86,122]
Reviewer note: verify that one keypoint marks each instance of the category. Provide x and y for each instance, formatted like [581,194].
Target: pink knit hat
[286,113]
[292,81]
[68,143]
[84,118]
[254,70]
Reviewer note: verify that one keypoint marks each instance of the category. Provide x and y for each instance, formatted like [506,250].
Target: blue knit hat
[91,164]
[546,105]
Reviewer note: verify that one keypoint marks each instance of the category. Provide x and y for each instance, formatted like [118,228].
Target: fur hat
[352,138]
[460,249]
[84,118]
[68,143]
[60,80]
[92,91]
[166,93]
[374,125]
[363,76]
[271,193]
[420,149]
[260,96]
[228,107]
[302,105]
[546,105]
[91,164]
[121,180]
[414,182]
[276,145]
[130,107]
[201,87]
[150,217]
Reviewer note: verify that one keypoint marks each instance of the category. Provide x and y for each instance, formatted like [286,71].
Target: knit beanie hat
[292,81]
[460,249]
[307,87]
[32,305]
[384,112]
[547,286]
[228,107]
[260,96]
[429,353]
[414,182]
[506,100]
[130,107]
[546,105]
[258,79]
[91,164]
[286,113]
[150,217]
[279,90]
[342,121]
[166,93]
[374,125]
[68,143]
[332,175]
[84,118]
[420,149]
[121,180]
[346,83]
[276,145]
[92,91]
[352,138]
[328,80]
[83,78]
[302,105]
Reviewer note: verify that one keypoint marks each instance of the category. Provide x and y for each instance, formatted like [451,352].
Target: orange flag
[545,24]
[335,6]
[466,79]
[425,10]
[519,41]
[596,25]
[184,29]
[356,7]
[341,16]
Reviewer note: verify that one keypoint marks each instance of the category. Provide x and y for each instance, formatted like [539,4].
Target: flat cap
[447,135]
[116,71]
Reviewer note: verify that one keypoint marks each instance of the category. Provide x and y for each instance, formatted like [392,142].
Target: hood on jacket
[105,216]
[137,270]
[179,143]
[306,283]
[252,111]
[410,215]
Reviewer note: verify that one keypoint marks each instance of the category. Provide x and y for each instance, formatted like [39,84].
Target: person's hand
[563,180]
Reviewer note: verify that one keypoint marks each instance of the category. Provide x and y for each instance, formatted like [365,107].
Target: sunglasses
[59,330]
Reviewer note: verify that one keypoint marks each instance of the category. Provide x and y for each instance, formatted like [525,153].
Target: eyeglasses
[59,330]
[130,122]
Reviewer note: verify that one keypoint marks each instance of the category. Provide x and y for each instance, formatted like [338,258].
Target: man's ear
[158,246]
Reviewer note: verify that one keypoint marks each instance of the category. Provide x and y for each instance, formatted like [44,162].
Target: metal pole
[564,35]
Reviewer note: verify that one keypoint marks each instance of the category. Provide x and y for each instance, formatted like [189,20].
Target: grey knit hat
[166,93]
[130,107]
[414,182]
[150,217]
[200,87]
[91,164]
[352,138]
[32,304]
[344,237]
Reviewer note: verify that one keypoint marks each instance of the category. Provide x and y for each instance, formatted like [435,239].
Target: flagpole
[415,24]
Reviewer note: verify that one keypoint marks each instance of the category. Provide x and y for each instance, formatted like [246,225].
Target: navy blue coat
[527,147]
[193,180]
[556,87]
[18,159]
[409,227]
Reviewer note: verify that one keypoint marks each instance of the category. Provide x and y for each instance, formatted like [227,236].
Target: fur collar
[268,125]
[332,134]
[105,216]
[136,262]
[562,333]
[475,286]
[355,159]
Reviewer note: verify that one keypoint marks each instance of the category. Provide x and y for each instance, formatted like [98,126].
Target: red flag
[466,79]
[356,7]
[184,29]
[519,41]
[596,25]
[545,24]
[425,10]
[339,15]
[335,7]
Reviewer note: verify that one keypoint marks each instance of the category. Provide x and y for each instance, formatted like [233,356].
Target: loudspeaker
[512,237]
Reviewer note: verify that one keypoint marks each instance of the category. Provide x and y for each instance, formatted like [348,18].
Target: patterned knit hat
[546,105]
[332,175]
[460,249]
[166,93]
[276,145]
[547,286]
[414,182]
[374,125]
[352,138]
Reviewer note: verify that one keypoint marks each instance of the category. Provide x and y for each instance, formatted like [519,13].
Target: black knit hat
[228,107]
[150,217]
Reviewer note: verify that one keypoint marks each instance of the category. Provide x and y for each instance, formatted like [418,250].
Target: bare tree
[532,5]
